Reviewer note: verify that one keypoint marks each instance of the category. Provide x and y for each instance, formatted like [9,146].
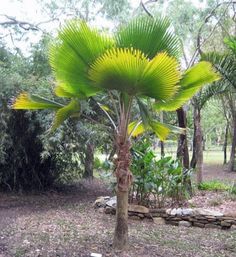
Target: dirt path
[66,225]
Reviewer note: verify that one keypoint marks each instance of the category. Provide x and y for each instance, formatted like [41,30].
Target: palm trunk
[124,180]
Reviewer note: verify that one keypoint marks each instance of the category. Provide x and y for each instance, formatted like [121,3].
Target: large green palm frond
[76,47]
[27,101]
[193,80]
[129,71]
[151,36]
[225,64]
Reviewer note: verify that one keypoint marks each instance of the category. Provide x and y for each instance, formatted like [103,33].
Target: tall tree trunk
[89,161]
[198,143]
[182,151]
[124,180]
[193,160]
[226,143]
[233,147]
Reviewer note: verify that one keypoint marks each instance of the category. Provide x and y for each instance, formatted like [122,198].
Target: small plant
[213,185]
[156,180]
[232,189]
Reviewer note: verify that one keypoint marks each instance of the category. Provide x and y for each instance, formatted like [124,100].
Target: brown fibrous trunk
[124,181]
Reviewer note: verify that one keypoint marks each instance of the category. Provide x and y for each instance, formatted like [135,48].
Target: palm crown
[138,61]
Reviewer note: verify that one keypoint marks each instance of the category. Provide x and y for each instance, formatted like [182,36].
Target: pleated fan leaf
[129,71]
[76,48]
[151,36]
[192,81]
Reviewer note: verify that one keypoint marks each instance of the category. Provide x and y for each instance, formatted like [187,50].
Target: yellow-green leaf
[72,109]
[32,102]
[136,128]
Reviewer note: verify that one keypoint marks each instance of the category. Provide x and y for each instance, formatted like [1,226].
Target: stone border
[187,217]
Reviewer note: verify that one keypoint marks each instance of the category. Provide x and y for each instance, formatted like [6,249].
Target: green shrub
[213,185]
[159,180]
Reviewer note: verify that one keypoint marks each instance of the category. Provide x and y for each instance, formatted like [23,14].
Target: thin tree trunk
[162,143]
[89,161]
[182,151]
[124,180]
[193,160]
[199,144]
[233,147]
[226,143]
[162,149]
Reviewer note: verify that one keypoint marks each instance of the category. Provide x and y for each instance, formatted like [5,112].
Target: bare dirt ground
[218,172]
[65,224]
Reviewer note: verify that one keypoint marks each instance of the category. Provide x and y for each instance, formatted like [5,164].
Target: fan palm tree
[137,65]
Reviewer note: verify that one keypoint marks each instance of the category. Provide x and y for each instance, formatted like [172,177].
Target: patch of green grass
[20,251]
[213,185]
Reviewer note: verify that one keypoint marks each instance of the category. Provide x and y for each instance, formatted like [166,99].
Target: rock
[134,217]
[110,210]
[173,212]
[212,226]
[101,201]
[95,255]
[198,224]
[175,218]
[172,222]
[141,216]
[205,212]
[156,214]
[148,215]
[184,223]
[211,218]
[224,223]
[233,227]
[159,221]
[179,212]
[157,211]
[138,209]
[187,211]
[112,202]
